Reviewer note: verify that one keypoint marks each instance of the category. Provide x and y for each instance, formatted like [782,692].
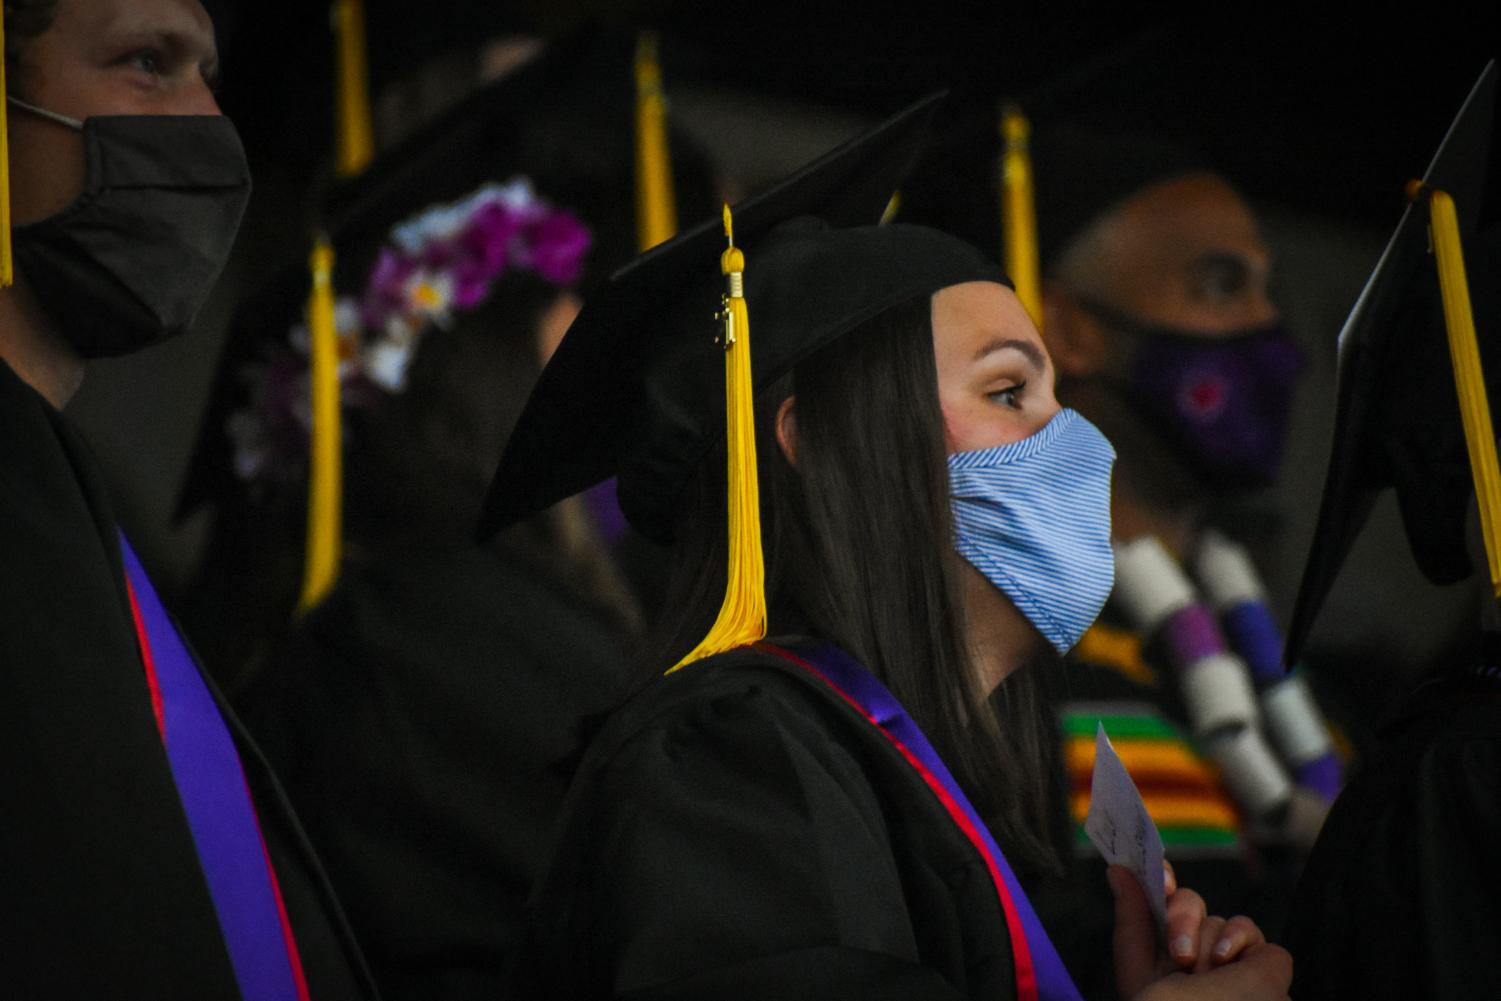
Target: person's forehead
[972,318]
[987,302]
[1178,220]
[186,20]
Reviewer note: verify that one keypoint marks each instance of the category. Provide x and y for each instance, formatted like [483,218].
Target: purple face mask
[1222,400]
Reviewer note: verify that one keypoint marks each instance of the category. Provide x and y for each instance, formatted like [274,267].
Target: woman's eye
[1008,397]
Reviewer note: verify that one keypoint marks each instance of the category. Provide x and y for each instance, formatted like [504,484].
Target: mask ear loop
[7,259]
[72,123]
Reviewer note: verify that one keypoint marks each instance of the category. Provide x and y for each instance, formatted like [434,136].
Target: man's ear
[1078,343]
[786,425]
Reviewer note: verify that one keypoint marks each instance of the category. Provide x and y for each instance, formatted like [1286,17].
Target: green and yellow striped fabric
[1181,789]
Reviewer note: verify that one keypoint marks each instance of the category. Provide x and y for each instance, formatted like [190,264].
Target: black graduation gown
[1401,897]
[738,831]
[420,718]
[101,893]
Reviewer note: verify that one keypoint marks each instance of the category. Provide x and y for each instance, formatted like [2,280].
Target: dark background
[1319,116]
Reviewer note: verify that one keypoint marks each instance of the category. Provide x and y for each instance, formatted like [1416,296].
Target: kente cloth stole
[1040,975]
[216,799]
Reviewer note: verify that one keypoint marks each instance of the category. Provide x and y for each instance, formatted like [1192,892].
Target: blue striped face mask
[1033,516]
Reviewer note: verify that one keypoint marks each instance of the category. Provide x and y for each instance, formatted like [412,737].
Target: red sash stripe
[152,683]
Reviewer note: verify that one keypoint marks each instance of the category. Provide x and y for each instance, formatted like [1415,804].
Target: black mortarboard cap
[636,389]
[1397,421]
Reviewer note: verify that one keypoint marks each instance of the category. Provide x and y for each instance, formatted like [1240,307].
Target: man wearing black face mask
[147,850]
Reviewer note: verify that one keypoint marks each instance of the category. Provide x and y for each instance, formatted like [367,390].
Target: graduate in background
[424,708]
[1155,305]
[564,119]
[768,820]
[149,851]
[1399,898]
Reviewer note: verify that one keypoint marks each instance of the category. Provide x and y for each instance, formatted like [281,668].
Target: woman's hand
[1229,959]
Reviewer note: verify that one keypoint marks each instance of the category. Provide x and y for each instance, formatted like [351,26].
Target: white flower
[347,319]
[386,364]
[517,194]
[435,224]
[428,295]
[441,223]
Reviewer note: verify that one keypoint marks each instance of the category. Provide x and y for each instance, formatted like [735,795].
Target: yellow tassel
[325,530]
[355,131]
[1469,377]
[742,617]
[892,210]
[656,210]
[1019,212]
[7,265]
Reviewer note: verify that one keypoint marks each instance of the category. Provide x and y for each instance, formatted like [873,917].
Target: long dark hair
[420,463]
[417,465]
[858,541]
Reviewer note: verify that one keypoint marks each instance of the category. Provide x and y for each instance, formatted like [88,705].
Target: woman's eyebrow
[1031,351]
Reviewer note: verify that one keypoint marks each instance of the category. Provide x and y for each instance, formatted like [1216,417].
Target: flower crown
[442,262]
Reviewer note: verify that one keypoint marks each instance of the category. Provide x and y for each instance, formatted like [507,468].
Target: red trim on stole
[1026,974]
[144,643]
[294,958]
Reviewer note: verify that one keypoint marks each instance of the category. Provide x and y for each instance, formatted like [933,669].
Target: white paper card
[1120,827]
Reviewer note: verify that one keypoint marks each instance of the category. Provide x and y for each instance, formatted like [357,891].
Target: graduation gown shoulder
[738,831]
[420,718]
[101,892]
[1401,897]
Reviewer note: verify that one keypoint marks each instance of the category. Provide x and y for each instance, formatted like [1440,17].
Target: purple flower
[440,256]
[463,247]
[471,284]
[559,242]
[385,292]
[489,234]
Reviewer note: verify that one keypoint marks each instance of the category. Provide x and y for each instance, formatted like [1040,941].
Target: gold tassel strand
[742,616]
[1019,212]
[656,208]
[354,148]
[325,530]
[353,120]
[1469,376]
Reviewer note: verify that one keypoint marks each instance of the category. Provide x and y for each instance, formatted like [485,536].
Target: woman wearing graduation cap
[794,817]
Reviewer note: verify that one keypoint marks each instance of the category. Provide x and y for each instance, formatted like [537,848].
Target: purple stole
[216,800]
[1040,975]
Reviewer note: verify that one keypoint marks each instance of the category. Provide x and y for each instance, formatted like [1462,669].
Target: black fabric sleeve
[734,850]
[1400,898]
